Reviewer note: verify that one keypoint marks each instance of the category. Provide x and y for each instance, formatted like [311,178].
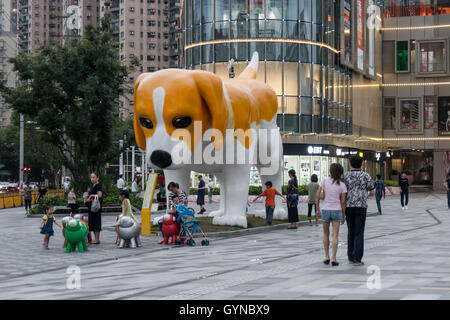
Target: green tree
[72,91]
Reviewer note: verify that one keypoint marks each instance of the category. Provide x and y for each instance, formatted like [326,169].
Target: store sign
[315,150]
[378,156]
[388,154]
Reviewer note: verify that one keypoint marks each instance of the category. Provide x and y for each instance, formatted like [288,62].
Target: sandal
[327,262]
[334,263]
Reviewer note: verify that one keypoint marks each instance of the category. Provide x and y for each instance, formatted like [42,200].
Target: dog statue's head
[167,103]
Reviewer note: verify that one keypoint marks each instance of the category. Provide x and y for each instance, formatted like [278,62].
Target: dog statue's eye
[181,122]
[147,123]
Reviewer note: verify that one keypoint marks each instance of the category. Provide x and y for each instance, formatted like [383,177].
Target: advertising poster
[371,36]
[347,31]
[360,34]
[444,116]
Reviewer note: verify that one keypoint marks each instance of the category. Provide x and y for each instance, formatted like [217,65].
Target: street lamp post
[21,151]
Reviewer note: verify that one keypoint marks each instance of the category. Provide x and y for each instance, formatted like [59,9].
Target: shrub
[390,183]
[46,201]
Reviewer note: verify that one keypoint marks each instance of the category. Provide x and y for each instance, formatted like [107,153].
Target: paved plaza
[409,248]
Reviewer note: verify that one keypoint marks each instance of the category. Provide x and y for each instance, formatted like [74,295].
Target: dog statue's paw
[216,213]
[233,220]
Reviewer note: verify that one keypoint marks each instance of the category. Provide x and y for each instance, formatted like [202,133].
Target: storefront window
[402,56]
[305,79]
[444,116]
[432,57]
[430,104]
[410,115]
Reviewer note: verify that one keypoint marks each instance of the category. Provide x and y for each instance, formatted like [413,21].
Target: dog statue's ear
[138,133]
[210,87]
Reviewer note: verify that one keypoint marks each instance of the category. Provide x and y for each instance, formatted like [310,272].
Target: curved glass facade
[302,67]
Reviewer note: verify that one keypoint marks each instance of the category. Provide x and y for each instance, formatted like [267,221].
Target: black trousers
[356,222]
[404,195]
[27,204]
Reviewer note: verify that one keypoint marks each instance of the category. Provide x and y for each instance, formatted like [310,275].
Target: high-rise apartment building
[142,28]
[8,49]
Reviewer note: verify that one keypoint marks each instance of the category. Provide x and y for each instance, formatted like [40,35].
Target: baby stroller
[189,225]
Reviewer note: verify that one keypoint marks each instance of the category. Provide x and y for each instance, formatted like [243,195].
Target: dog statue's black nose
[161,158]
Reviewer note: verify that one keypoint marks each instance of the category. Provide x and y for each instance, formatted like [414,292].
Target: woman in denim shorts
[333,209]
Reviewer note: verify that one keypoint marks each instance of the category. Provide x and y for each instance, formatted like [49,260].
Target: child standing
[313,186]
[269,193]
[404,194]
[47,226]
[124,196]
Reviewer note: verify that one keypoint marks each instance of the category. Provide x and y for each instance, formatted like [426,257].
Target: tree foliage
[72,91]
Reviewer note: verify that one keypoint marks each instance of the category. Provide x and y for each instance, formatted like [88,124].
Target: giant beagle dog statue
[170,104]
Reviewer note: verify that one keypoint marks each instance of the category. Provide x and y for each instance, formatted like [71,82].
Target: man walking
[201,190]
[120,183]
[380,191]
[358,185]
[134,187]
[403,182]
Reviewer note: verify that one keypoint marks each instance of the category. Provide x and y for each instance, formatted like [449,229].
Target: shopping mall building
[337,69]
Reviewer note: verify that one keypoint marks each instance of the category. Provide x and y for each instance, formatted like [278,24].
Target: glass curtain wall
[314,91]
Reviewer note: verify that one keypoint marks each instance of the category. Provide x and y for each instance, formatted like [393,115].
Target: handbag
[95,206]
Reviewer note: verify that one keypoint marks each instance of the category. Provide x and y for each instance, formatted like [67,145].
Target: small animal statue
[170,228]
[76,233]
[85,221]
[64,223]
[129,232]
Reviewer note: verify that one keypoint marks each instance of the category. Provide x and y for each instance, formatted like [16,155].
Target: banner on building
[360,33]
[347,38]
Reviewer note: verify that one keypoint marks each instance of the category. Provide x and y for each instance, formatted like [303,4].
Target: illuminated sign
[378,156]
[315,150]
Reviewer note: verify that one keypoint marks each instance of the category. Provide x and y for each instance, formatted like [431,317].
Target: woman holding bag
[95,216]
[292,199]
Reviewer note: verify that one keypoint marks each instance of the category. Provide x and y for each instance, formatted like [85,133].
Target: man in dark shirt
[380,191]
[404,194]
[201,194]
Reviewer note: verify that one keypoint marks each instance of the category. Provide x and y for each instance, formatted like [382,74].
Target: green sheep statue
[76,233]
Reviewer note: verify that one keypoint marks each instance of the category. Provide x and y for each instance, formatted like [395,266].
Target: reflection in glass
[256,29]
[238,9]
[273,28]
[195,7]
[222,10]
[196,34]
[207,11]
[207,32]
[290,29]
[238,52]
[273,9]
[221,30]
[274,74]
[239,29]
[221,52]
[257,46]
[291,122]
[305,53]
[273,51]
[290,11]
[305,79]
[291,79]
[256,9]
[207,54]
[305,30]
[305,10]
[290,52]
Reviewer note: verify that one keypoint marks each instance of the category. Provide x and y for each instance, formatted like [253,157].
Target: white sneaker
[403,208]
[406,208]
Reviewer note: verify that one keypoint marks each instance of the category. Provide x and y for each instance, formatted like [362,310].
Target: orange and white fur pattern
[170,102]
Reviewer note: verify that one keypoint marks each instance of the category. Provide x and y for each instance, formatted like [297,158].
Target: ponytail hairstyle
[292,173]
[336,172]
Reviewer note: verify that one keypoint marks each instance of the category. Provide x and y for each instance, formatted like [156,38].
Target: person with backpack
[380,191]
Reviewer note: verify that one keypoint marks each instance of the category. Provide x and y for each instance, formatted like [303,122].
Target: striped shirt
[182,196]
